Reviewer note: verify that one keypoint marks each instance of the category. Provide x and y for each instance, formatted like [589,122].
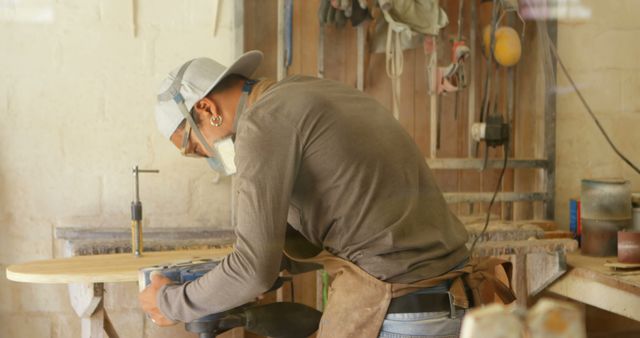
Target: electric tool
[278,320]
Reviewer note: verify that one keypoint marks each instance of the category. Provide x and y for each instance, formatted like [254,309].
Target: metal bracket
[452,307]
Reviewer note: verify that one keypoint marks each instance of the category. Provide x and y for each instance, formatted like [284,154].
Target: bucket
[629,247]
[605,210]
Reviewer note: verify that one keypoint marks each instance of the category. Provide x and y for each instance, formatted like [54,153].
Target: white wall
[604,59]
[77,89]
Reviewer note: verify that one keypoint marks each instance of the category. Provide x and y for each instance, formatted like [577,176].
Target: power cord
[495,193]
[506,145]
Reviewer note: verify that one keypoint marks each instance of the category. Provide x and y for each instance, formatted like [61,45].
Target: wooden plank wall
[340,64]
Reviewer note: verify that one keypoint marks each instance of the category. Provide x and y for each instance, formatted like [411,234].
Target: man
[335,165]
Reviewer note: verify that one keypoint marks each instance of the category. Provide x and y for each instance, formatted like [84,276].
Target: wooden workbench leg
[86,300]
[93,326]
[520,278]
[108,327]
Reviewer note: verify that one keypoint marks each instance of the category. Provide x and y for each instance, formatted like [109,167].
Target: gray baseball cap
[193,81]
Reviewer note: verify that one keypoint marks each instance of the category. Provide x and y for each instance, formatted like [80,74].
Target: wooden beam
[476,163]
[459,197]
[109,329]
[550,119]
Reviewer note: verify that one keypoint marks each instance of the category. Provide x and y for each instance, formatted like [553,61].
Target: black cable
[584,102]
[495,193]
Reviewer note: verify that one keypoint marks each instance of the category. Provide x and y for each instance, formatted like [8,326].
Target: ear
[206,107]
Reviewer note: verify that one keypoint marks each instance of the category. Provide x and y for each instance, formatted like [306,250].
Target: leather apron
[358,302]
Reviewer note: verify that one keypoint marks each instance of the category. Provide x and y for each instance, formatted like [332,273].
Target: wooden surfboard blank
[103,268]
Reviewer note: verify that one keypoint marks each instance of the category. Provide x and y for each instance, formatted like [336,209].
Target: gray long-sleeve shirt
[334,163]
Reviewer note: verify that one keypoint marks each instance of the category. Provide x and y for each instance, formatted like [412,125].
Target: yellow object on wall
[508,48]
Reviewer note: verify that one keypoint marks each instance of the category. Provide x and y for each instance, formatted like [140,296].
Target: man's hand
[147,299]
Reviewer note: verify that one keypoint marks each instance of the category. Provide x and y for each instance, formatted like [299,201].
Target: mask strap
[174,88]
[246,90]
[185,139]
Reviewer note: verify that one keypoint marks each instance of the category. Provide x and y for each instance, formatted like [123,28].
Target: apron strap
[479,274]
[485,284]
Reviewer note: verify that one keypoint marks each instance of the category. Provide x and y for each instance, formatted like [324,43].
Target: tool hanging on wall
[405,20]
[501,46]
[452,78]
[507,49]
[457,54]
[394,60]
[136,212]
[337,12]
[471,101]
[507,46]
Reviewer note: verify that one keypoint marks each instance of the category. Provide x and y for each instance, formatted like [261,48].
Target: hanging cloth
[406,18]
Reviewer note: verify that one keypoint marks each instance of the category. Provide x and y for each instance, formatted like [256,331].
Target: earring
[216,121]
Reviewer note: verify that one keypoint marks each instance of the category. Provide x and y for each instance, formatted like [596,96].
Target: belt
[416,303]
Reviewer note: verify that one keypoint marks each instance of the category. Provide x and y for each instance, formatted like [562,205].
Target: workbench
[590,282]
[86,275]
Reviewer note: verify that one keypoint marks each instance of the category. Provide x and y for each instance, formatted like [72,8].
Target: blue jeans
[424,324]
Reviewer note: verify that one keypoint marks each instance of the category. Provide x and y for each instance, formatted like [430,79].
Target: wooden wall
[340,60]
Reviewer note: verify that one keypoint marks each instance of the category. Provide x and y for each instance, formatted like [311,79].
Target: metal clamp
[452,307]
[136,212]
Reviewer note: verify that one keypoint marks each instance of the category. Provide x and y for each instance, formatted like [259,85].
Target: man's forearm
[234,282]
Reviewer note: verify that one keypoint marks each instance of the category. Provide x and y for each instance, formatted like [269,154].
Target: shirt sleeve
[267,162]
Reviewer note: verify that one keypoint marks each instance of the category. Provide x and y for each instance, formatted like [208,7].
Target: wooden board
[589,281]
[615,265]
[102,268]
[594,268]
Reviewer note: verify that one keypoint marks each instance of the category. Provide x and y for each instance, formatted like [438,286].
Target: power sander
[278,320]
